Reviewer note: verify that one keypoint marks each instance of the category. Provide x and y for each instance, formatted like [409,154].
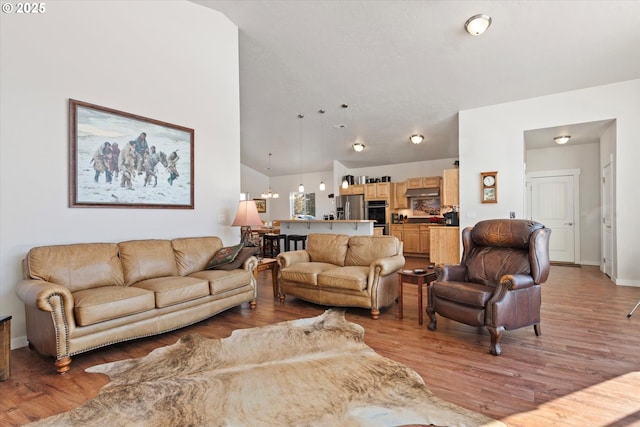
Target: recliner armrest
[450,272]
[516,281]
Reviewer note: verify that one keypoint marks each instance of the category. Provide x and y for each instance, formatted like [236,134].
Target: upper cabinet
[399,200]
[377,191]
[450,188]
[423,182]
[352,189]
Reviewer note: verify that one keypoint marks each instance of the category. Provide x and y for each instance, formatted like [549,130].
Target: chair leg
[433,322]
[375,313]
[536,329]
[496,336]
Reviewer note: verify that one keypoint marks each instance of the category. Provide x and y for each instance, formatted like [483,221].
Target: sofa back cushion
[147,259]
[329,248]
[194,253]
[77,267]
[363,250]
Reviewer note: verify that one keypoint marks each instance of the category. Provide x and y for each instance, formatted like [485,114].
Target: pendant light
[270,194]
[345,183]
[322,185]
[301,186]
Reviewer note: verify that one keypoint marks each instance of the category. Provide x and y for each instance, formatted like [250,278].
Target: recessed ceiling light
[562,139]
[357,147]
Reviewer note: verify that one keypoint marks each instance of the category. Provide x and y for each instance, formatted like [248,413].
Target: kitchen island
[338,226]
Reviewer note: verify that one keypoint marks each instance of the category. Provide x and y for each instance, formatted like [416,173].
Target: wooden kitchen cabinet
[423,182]
[411,240]
[397,230]
[352,189]
[445,245]
[425,233]
[377,191]
[399,200]
[450,187]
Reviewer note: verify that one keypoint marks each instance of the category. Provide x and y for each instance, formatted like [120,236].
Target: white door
[552,204]
[607,220]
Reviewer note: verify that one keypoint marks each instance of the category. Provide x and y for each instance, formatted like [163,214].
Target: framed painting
[122,160]
[261,204]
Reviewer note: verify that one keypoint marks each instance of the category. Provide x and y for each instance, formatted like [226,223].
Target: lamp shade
[247,214]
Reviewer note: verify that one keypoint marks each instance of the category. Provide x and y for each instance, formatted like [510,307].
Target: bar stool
[271,245]
[295,238]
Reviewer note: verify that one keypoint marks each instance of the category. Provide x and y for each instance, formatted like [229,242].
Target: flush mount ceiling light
[357,147]
[562,139]
[416,139]
[477,24]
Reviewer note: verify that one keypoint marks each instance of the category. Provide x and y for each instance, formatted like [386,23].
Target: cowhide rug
[308,372]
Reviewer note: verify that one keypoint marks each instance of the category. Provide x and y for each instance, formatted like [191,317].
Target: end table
[5,347]
[408,276]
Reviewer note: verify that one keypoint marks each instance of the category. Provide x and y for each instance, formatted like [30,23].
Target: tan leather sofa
[84,296]
[341,270]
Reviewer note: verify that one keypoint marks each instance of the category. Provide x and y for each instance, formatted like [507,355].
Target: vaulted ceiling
[406,67]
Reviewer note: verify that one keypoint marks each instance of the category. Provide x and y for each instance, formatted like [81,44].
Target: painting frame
[119,160]
[261,205]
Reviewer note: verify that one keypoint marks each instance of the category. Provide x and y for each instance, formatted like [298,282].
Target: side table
[269,264]
[5,347]
[408,276]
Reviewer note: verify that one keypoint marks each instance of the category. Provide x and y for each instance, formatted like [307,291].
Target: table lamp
[246,216]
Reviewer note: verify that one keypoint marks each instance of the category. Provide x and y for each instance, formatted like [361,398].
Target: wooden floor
[583,371]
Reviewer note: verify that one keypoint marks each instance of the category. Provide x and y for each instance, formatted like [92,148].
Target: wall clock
[489,187]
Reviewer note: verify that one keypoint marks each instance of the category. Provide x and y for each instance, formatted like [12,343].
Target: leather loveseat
[341,270]
[84,296]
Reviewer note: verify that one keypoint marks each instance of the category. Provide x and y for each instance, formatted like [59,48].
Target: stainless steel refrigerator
[350,207]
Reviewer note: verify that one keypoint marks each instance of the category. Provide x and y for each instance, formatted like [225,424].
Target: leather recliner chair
[498,281]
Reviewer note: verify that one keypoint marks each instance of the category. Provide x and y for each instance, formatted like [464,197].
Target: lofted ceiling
[406,67]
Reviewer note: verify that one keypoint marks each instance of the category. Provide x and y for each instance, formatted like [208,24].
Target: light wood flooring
[583,371]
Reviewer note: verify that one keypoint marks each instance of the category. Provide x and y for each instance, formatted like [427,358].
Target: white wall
[585,157]
[178,64]
[491,139]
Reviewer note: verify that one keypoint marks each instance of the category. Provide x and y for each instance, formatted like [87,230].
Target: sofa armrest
[286,259]
[387,265]
[53,298]
[250,264]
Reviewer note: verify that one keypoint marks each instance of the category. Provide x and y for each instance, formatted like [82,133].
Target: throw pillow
[244,254]
[225,255]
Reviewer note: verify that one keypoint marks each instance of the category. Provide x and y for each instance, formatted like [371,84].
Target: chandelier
[270,194]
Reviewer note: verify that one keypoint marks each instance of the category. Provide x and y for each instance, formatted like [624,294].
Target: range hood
[423,192]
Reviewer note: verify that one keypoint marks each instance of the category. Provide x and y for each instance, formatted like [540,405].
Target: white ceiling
[406,67]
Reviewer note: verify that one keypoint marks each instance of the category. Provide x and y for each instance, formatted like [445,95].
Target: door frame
[575,173]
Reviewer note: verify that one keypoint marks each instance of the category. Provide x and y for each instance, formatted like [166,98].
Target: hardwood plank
[583,370]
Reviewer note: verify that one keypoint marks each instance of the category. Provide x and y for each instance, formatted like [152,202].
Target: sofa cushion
[224,255]
[147,259]
[305,272]
[363,250]
[349,278]
[109,302]
[221,281]
[77,267]
[328,248]
[194,253]
[174,289]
